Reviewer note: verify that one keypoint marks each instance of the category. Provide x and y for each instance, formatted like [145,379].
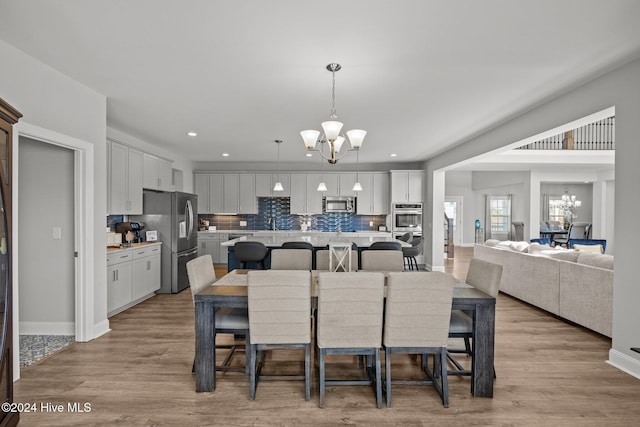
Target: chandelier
[568,203]
[332,138]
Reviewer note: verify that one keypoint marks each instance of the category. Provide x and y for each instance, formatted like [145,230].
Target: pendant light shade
[357,187]
[278,185]
[322,186]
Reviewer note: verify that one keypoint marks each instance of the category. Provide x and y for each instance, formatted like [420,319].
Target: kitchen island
[319,240]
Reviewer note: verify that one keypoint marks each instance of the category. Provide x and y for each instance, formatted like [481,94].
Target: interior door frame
[84,224]
[457,236]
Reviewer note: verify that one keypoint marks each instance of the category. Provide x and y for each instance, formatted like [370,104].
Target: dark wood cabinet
[8,117]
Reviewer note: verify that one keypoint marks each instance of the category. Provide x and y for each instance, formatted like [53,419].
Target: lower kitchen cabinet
[209,243]
[133,275]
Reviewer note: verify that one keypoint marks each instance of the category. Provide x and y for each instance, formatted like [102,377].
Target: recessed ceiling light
[225,154]
[393,155]
[309,155]
[192,134]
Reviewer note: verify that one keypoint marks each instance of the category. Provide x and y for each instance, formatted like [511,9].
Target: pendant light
[356,185]
[278,185]
[322,186]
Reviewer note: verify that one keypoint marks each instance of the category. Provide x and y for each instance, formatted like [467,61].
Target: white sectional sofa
[575,285]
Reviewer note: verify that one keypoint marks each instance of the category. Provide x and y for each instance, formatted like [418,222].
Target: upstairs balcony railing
[599,135]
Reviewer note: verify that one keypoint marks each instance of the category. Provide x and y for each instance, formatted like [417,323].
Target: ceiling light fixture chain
[332,131]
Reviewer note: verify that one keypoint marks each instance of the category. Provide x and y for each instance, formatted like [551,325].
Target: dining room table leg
[205,371]
[482,370]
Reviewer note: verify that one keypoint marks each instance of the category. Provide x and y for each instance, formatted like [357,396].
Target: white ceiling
[420,76]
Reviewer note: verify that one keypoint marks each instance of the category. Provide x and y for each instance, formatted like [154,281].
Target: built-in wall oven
[407,217]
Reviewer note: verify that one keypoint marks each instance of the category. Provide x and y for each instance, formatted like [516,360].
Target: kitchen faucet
[272,223]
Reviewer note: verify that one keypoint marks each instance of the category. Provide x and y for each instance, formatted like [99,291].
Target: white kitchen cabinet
[201,189]
[231,193]
[248,203]
[124,180]
[265,182]
[332,181]
[157,173]
[314,197]
[133,275]
[146,271]
[347,179]
[298,201]
[407,186]
[119,280]
[226,193]
[374,197]
[209,243]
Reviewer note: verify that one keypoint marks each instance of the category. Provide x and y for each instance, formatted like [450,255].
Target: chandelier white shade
[331,136]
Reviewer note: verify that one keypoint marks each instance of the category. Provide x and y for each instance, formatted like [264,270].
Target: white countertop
[320,240]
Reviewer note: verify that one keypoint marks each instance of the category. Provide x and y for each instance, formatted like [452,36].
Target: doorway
[46,261]
[453,209]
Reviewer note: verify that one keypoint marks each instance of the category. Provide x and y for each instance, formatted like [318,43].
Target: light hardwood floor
[549,373]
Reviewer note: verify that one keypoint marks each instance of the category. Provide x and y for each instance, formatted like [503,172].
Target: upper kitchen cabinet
[305,197]
[225,193]
[265,182]
[407,186]
[125,180]
[339,184]
[374,197]
[157,173]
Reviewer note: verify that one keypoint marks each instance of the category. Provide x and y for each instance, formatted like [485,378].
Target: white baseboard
[101,328]
[625,363]
[47,328]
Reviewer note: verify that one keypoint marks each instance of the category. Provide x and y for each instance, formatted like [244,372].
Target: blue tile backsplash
[277,208]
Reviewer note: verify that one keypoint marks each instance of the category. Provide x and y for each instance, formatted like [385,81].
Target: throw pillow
[491,242]
[588,248]
[520,246]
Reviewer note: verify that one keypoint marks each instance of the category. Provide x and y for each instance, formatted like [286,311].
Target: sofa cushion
[565,255]
[595,260]
[588,248]
[491,242]
[520,246]
[537,248]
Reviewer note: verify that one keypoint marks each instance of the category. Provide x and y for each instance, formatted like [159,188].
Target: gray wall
[619,88]
[46,265]
[53,101]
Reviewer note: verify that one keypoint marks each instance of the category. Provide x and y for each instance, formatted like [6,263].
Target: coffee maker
[134,227]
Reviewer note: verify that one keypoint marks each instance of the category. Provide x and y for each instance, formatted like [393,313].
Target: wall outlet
[370,223]
[57,233]
[243,223]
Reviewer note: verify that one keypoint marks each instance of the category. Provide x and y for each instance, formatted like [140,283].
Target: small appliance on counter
[204,225]
[135,230]
[114,240]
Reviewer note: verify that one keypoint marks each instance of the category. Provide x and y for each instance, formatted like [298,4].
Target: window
[500,211]
[556,212]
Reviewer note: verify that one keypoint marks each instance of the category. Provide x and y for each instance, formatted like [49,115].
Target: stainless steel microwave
[339,204]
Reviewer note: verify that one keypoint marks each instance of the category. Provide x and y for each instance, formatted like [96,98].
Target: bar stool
[250,252]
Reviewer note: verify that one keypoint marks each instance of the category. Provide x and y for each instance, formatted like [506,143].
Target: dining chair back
[279,317]
[518,231]
[418,308]
[406,237]
[484,276]
[389,260]
[350,307]
[202,275]
[291,259]
[322,260]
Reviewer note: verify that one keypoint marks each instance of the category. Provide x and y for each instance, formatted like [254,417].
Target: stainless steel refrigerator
[173,216]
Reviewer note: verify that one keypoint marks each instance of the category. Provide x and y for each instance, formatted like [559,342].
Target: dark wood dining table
[231,291]
[551,233]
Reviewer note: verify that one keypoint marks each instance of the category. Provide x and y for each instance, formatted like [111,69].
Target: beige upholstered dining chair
[418,309]
[484,276]
[291,259]
[228,320]
[382,260]
[350,307]
[322,260]
[279,317]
